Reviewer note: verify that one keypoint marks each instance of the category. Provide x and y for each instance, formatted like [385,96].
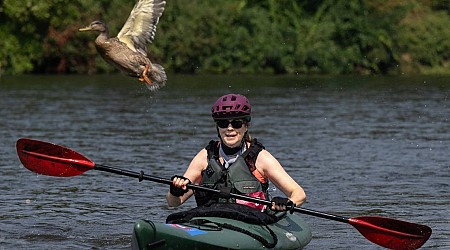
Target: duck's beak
[85,28]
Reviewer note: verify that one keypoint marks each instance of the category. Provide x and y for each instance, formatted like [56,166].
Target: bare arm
[272,169]
[194,174]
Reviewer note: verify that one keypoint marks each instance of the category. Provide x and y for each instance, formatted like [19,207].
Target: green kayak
[205,230]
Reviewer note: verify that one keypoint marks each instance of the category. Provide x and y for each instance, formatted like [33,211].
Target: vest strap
[251,154]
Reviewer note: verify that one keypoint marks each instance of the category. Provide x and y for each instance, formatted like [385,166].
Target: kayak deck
[291,232]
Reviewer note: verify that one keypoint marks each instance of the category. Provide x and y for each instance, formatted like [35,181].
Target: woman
[235,163]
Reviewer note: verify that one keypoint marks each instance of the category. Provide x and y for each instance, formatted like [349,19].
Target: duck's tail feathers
[158,77]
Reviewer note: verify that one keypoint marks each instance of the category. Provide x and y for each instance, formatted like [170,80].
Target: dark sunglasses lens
[225,123]
[222,123]
[236,123]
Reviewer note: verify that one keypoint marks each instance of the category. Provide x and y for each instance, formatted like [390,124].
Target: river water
[357,145]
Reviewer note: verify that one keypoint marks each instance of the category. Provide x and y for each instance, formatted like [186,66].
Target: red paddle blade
[392,233]
[51,159]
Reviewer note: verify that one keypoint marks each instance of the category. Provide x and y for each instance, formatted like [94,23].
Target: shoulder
[266,156]
[201,156]
[197,165]
[267,163]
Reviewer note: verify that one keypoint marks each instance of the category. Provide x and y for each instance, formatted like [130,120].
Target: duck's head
[95,26]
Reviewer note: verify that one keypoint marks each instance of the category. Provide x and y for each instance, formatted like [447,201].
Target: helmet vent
[231,106]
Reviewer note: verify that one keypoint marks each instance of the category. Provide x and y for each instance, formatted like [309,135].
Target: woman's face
[232,131]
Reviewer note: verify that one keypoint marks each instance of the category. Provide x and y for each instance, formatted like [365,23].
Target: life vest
[238,178]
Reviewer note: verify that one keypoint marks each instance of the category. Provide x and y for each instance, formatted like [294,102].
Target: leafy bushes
[236,36]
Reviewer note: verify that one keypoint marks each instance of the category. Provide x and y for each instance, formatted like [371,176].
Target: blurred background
[237,36]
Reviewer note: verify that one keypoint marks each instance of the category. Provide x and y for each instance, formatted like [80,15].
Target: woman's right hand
[178,187]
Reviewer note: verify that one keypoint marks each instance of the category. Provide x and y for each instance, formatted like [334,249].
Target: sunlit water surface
[357,145]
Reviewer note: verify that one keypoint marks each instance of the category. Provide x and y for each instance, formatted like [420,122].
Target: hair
[248,137]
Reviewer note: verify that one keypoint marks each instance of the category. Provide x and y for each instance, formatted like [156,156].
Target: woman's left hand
[282,204]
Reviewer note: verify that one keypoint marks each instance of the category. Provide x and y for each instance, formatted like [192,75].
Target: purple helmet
[231,106]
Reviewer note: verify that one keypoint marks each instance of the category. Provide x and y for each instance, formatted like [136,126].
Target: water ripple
[359,146]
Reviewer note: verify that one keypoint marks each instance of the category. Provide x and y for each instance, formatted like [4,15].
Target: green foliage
[236,36]
[425,41]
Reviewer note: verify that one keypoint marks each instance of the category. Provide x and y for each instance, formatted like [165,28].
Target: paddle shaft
[141,176]
[54,160]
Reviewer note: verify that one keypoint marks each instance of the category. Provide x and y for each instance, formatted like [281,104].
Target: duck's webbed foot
[144,77]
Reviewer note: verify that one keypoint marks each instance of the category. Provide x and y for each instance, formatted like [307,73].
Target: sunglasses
[226,123]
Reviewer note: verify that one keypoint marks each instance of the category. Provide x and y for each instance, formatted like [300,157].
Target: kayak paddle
[54,160]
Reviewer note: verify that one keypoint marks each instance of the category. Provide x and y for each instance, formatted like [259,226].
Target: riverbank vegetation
[237,36]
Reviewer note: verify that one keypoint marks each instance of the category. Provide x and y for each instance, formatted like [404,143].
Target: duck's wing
[140,27]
